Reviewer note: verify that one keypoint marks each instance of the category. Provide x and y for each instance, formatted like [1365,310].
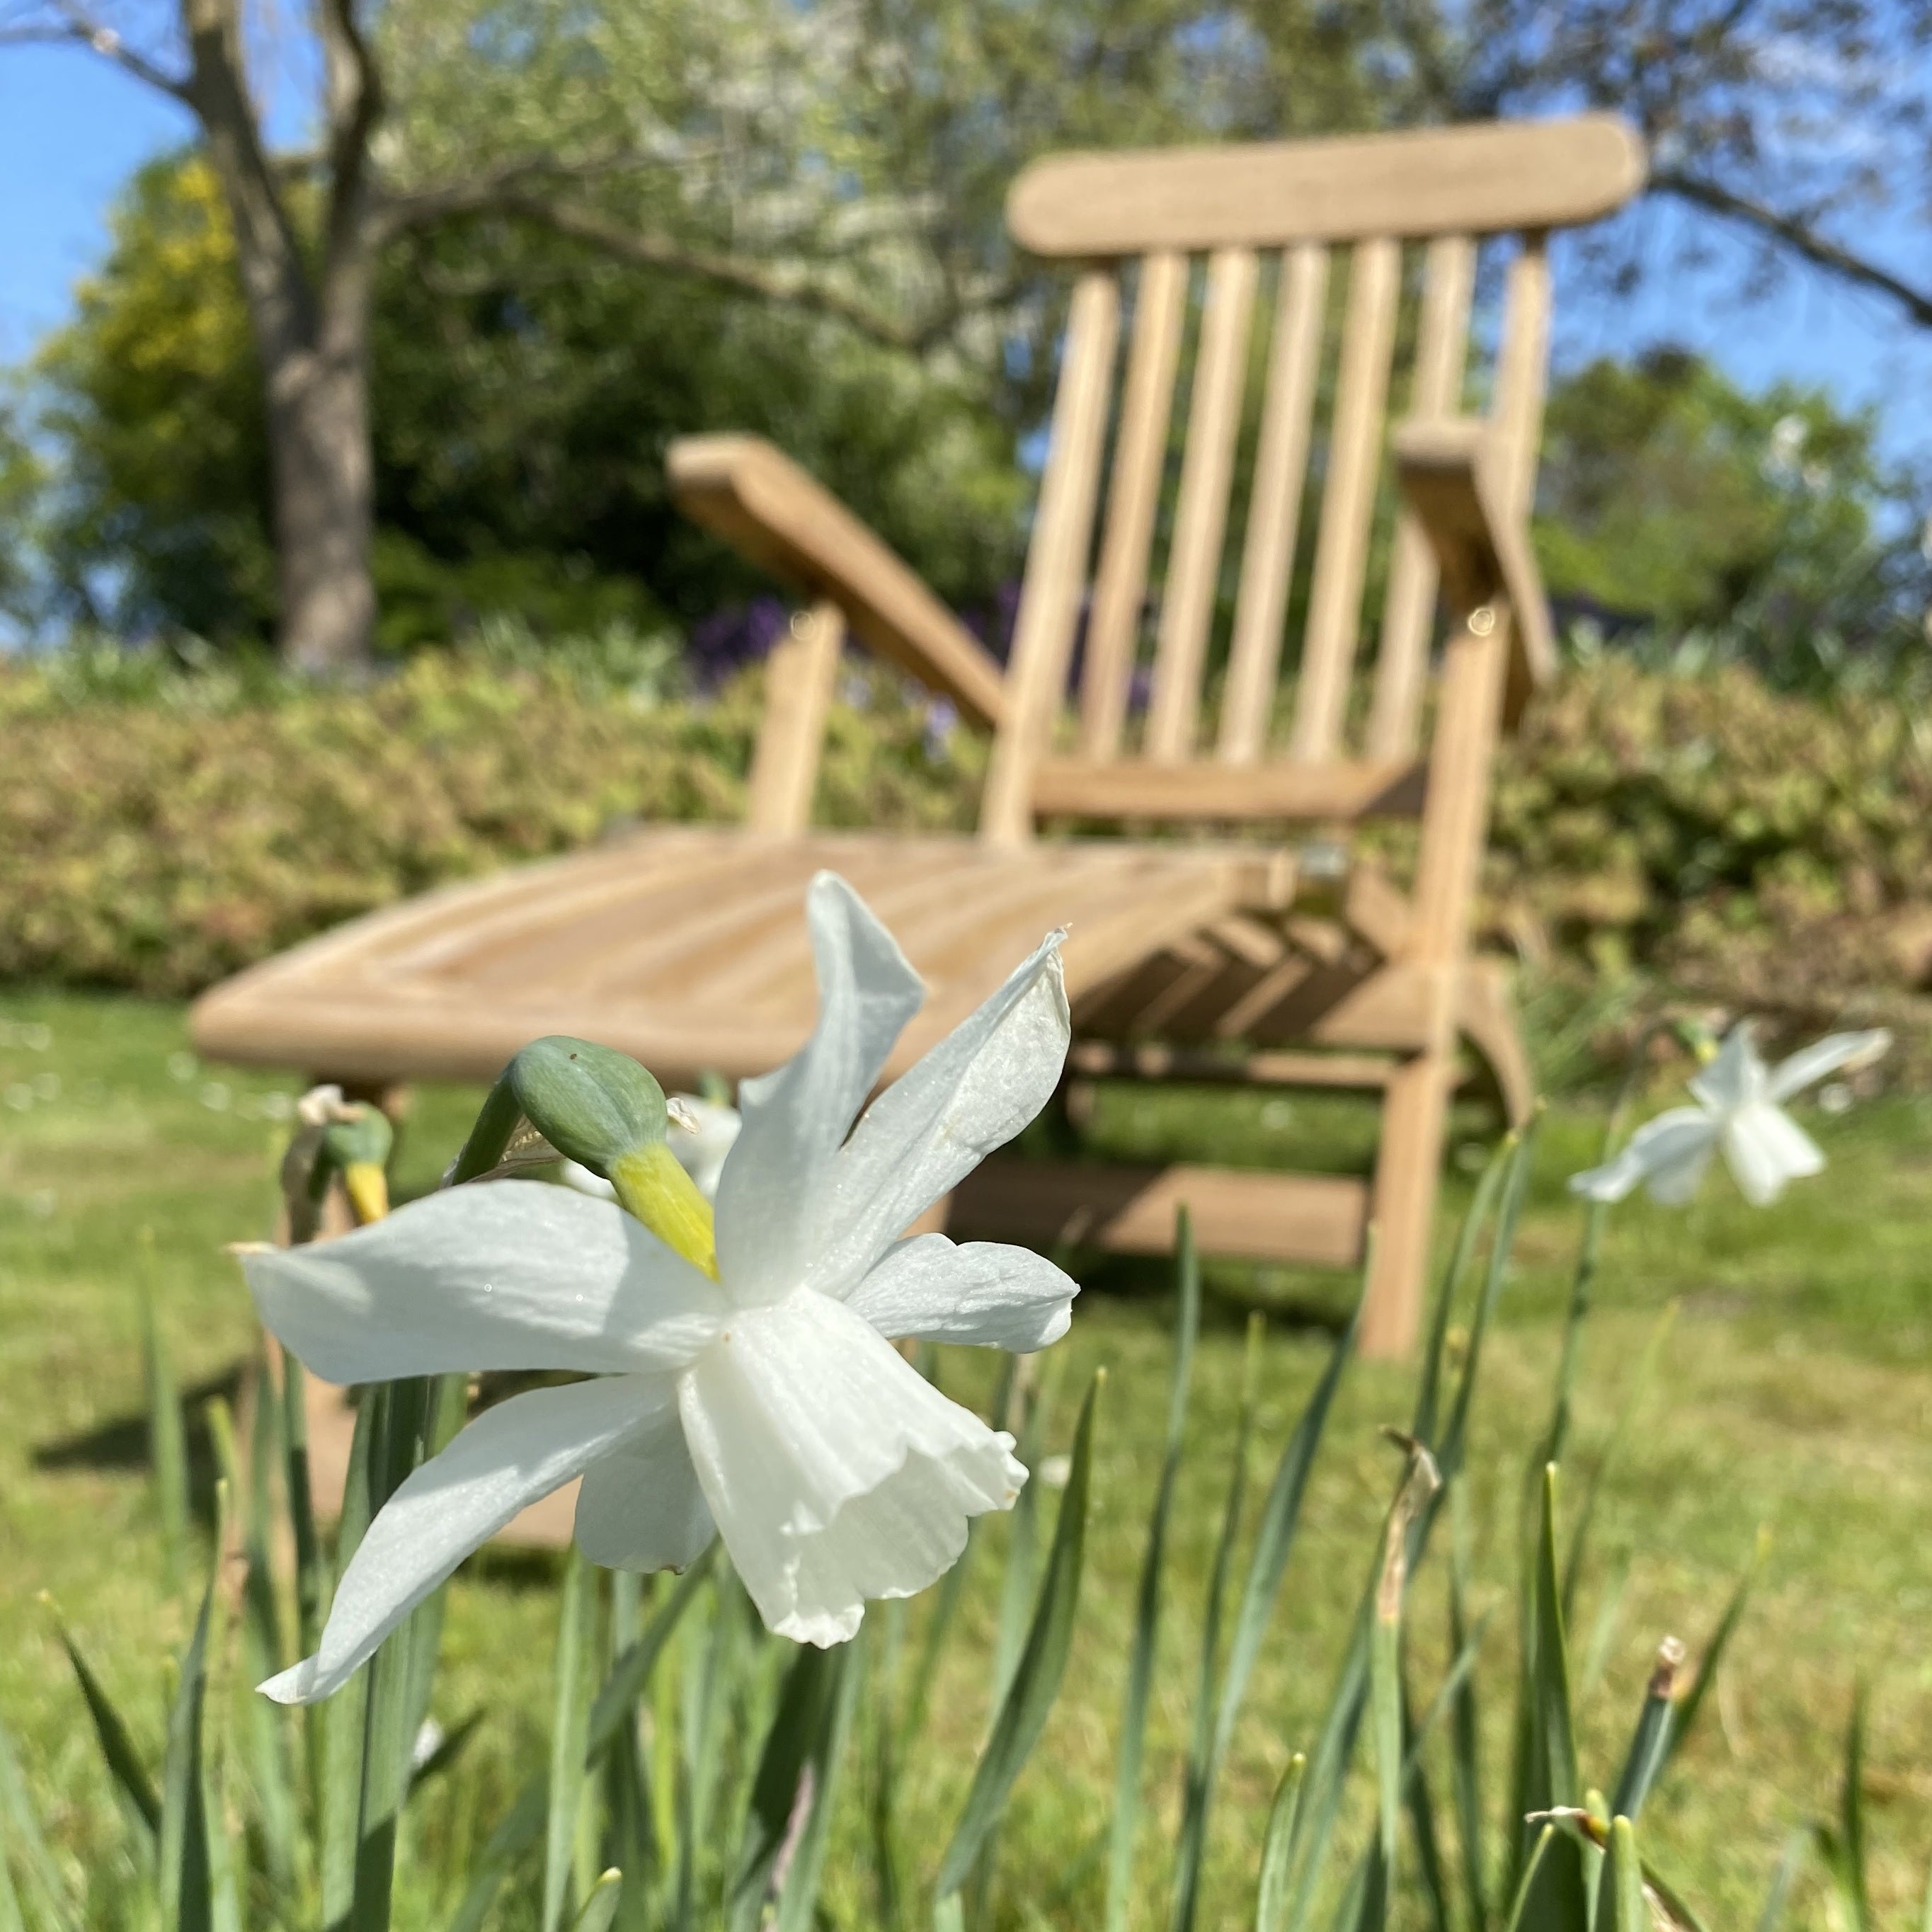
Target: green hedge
[158,833]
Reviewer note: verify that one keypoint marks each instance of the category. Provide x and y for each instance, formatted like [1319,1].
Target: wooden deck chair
[1205,941]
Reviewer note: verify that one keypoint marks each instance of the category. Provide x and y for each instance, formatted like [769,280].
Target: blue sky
[72,128]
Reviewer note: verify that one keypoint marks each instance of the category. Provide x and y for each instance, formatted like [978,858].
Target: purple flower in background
[725,642]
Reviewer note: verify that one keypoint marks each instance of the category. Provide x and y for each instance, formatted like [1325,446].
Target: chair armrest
[1451,471]
[775,515]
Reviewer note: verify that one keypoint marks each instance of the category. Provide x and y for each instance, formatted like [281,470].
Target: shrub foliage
[157,830]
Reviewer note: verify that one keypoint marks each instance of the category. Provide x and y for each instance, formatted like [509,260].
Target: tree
[1764,525]
[844,159]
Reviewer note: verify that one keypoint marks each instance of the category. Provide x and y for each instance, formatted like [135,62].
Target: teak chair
[1198,948]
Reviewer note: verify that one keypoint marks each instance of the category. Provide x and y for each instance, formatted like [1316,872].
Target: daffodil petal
[795,1119]
[972,1093]
[514,1274]
[983,1293]
[1825,1056]
[834,1470]
[1669,1153]
[1766,1148]
[1737,1077]
[507,1459]
[640,1508]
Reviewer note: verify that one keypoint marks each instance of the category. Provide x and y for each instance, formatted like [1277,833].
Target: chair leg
[1488,1020]
[1408,1167]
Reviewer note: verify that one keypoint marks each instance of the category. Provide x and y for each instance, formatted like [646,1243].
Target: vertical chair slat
[1522,365]
[1140,452]
[1194,562]
[1274,504]
[1442,353]
[1056,568]
[1347,499]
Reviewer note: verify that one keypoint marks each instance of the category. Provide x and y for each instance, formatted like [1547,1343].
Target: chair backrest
[1188,242]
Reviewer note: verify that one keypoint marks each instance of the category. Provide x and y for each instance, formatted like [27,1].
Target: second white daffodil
[1740,1109]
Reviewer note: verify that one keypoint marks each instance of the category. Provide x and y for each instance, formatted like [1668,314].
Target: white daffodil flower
[1739,1108]
[768,1404]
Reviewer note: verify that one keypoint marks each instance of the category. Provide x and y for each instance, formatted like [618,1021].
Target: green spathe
[593,1104]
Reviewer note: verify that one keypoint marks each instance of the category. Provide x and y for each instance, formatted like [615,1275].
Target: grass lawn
[1793,1397]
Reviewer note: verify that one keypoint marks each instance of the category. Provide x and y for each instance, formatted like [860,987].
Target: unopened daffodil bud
[600,1108]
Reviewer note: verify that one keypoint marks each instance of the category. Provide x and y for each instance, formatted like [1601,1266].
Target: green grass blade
[11,1918]
[117,1747]
[20,1826]
[1692,1705]
[167,1432]
[569,1733]
[1036,1680]
[1650,1744]
[1271,1887]
[1147,1608]
[798,1896]
[1201,1762]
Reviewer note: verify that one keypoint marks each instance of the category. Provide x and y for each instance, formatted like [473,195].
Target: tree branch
[78,29]
[767,281]
[354,88]
[1798,236]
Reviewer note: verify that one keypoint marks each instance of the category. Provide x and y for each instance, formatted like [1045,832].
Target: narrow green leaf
[1271,1890]
[1561,1899]
[600,1907]
[1434,1358]
[1036,1681]
[1016,1587]
[310,1582]
[795,1739]
[1532,1869]
[1650,1744]
[1603,1627]
[569,1733]
[617,1701]
[798,1895]
[519,1829]
[1201,1762]
[11,1919]
[1854,1890]
[1465,1754]
[1782,1880]
[1454,1442]
[186,1896]
[1620,1900]
[339,1720]
[1692,1704]
[117,1747]
[1147,1608]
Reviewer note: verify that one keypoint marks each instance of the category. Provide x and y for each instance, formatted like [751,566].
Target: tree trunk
[321,470]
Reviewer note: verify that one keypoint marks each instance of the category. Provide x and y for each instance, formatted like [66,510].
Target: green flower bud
[591,1103]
